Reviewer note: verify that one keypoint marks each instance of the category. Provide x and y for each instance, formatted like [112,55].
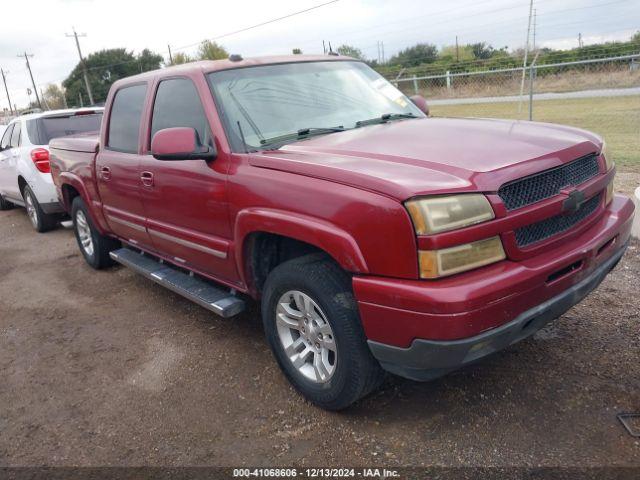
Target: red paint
[344,193]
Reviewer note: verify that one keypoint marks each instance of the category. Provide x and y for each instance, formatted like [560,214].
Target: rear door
[5,155]
[11,188]
[186,200]
[118,166]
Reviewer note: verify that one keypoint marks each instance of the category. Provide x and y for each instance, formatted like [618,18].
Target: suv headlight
[608,159]
[448,212]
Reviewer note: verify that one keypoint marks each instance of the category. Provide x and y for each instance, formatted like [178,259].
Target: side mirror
[420,102]
[180,143]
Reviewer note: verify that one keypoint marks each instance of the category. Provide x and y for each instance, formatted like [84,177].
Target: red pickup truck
[376,237]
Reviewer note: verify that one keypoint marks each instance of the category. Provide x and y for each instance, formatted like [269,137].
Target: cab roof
[208,66]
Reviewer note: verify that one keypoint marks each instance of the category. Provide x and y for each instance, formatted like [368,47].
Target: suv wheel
[95,248]
[313,328]
[40,220]
[4,204]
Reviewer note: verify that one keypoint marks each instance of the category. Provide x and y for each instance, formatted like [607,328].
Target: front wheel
[313,328]
[95,248]
[40,220]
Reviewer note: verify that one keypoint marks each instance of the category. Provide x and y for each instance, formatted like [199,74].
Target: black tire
[5,204]
[99,257]
[356,372]
[41,221]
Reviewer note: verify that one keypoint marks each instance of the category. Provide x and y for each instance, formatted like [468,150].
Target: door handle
[105,173]
[147,179]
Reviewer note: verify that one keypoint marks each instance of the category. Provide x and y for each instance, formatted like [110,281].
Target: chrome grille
[532,189]
[536,232]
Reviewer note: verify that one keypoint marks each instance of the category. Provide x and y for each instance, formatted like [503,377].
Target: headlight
[440,263]
[448,212]
[608,159]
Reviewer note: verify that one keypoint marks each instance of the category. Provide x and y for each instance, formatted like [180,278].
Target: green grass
[617,119]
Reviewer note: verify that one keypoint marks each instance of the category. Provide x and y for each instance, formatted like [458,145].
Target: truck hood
[432,155]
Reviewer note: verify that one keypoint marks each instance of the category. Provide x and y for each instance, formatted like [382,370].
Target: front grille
[534,188]
[537,232]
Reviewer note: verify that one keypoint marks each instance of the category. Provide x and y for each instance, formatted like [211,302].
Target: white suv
[25,175]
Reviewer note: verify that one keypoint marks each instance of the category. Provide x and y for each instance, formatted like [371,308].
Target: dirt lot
[106,368]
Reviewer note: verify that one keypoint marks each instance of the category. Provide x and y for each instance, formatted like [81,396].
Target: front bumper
[423,329]
[428,359]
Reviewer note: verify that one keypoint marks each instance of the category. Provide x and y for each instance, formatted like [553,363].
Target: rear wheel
[95,248]
[5,204]
[313,328]
[40,220]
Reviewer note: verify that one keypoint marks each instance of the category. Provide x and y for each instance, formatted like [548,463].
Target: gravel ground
[107,368]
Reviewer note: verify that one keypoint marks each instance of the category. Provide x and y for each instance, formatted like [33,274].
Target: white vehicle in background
[25,174]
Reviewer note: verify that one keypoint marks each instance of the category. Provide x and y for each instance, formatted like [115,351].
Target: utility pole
[534,30]
[579,40]
[457,51]
[382,47]
[170,55]
[35,90]
[84,66]
[526,53]
[4,80]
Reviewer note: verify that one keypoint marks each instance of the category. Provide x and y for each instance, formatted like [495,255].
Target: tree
[180,58]
[636,37]
[53,97]
[209,50]
[462,53]
[482,50]
[350,51]
[104,68]
[416,55]
[297,51]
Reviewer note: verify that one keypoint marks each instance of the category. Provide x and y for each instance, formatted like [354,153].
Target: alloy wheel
[32,212]
[84,233]
[306,336]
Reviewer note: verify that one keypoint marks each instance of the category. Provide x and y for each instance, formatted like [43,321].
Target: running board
[218,300]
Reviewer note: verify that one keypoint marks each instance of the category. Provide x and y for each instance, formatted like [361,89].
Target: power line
[261,24]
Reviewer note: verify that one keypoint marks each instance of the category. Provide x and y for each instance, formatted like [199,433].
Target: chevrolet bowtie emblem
[573,202]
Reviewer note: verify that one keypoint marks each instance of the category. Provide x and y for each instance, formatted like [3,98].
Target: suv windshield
[42,130]
[274,103]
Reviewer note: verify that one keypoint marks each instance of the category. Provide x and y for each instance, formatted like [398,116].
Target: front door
[185,201]
[118,167]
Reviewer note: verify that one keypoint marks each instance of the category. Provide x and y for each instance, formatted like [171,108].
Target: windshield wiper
[301,134]
[384,118]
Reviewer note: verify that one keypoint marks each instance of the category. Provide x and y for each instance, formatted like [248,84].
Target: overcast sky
[39,27]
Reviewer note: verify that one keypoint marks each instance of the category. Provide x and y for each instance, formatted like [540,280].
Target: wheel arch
[267,237]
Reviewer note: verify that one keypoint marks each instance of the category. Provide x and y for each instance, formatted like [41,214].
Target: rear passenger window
[15,136]
[124,123]
[6,138]
[177,104]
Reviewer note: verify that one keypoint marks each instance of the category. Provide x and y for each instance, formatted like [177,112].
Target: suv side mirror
[180,143]
[420,102]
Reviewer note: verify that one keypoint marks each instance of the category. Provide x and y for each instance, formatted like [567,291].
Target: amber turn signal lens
[610,192]
[608,158]
[447,261]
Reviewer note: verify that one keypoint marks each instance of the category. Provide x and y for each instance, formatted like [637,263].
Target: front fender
[336,242]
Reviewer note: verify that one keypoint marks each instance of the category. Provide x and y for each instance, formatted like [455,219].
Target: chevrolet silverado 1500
[375,237]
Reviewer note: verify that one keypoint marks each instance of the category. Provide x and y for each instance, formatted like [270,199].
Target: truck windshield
[279,101]
[42,130]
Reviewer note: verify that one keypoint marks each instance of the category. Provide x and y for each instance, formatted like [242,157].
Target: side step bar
[213,298]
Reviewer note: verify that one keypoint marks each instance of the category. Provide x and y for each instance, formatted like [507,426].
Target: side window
[124,123]
[6,138]
[15,136]
[177,104]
